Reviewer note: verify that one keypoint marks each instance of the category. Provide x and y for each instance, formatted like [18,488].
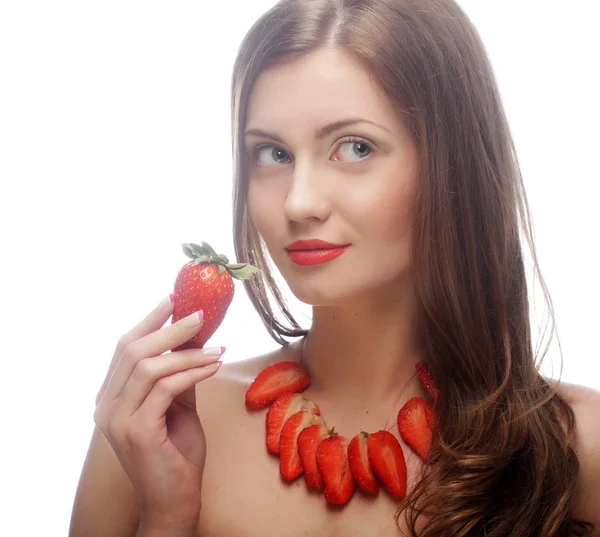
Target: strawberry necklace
[298,434]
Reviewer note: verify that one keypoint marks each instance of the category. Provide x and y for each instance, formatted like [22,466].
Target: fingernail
[213,350]
[194,318]
[214,366]
[172,297]
[164,302]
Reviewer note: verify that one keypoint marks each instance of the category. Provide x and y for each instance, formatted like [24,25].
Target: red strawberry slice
[309,441]
[206,284]
[358,459]
[387,461]
[427,379]
[332,460]
[290,465]
[280,411]
[275,380]
[416,420]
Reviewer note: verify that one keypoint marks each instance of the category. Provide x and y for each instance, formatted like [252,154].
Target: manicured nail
[172,297]
[194,318]
[164,302]
[213,350]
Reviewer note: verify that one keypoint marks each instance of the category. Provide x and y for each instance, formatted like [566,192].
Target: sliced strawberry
[309,441]
[275,380]
[416,420]
[280,411]
[387,461]
[358,459]
[332,460]
[290,465]
[427,379]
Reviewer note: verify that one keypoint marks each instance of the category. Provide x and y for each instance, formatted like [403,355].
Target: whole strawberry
[205,283]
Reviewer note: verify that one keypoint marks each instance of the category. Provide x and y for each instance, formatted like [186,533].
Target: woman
[375,125]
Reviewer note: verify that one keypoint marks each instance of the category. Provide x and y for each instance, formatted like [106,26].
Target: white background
[115,149]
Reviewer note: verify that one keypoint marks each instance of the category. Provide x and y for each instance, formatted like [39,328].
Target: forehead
[325,85]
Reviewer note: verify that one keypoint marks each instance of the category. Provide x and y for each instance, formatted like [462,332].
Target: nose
[306,198]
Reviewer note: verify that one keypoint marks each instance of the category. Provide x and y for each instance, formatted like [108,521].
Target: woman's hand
[146,409]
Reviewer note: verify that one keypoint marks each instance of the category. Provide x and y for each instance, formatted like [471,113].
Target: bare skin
[243,494]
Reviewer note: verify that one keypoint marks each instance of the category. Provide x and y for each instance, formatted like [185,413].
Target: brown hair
[502,463]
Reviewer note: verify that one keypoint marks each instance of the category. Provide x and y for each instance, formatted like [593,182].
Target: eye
[270,155]
[353,149]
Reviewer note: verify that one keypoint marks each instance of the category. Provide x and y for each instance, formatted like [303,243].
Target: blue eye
[353,149]
[270,155]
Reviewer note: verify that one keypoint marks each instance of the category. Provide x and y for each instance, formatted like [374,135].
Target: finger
[153,344]
[149,371]
[152,322]
[169,337]
[166,389]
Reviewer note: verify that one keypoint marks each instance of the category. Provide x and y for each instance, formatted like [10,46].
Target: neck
[363,353]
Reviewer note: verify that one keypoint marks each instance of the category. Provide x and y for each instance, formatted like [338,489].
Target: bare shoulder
[585,402]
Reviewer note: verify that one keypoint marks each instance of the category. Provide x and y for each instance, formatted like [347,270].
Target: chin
[322,293]
[333,290]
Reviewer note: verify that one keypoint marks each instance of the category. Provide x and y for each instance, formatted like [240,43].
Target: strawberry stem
[204,253]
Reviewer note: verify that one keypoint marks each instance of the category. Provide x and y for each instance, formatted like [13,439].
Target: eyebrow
[322,132]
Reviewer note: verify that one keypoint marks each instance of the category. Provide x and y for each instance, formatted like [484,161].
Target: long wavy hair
[501,462]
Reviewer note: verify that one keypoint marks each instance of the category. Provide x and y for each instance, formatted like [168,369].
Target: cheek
[386,210]
[396,214]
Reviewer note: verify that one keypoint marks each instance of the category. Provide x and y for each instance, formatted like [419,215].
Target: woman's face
[351,184]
